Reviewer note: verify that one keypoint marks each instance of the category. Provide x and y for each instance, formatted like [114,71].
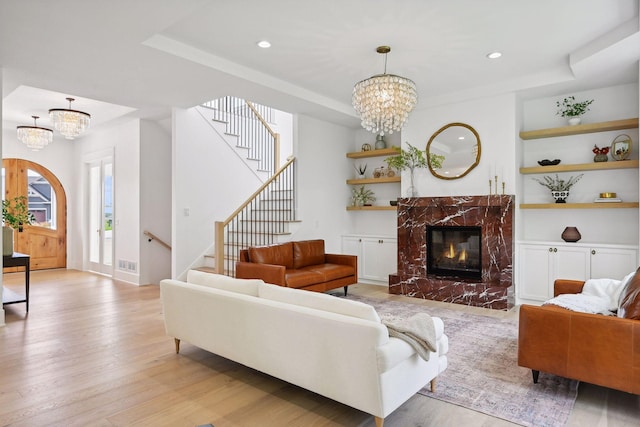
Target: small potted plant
[15,214]
[572,109]
[559,187]
[360,170]
[600,154]
[362,196]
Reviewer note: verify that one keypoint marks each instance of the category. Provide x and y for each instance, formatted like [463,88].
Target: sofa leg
[535,374]
[345,291]
[379,421]
[433,385]
[177,341]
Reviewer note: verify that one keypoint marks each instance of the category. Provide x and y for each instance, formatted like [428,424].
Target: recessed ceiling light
[264,44]
[461,138]
[494,55]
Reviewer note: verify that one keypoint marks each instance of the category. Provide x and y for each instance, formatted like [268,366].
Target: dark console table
[16,260]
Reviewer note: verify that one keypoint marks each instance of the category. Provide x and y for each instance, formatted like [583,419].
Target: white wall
[123,139]
[323,168]
[494,119]
[1,139]
[618,226]
[209,182]
[155,201]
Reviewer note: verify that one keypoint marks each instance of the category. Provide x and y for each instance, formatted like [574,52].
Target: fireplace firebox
[454,251]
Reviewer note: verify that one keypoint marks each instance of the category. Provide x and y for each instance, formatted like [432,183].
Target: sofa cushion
[308,252]
[280,254]
[302,278]
[318,301]
[332,271]
[630,298]
[226,283]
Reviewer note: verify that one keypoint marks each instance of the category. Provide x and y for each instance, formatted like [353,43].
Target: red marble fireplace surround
[494,214]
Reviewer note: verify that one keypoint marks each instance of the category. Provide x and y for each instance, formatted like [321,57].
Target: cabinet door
[570,263]
[535,272]
[352,246]
[378,258]
[609,263]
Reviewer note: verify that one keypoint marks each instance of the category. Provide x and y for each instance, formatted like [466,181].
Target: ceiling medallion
[384,101]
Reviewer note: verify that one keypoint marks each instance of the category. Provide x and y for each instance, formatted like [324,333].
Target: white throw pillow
[318,301]
[226,283]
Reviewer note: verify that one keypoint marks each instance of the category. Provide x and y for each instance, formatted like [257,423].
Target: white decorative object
[68,122]
[384,101]
[35,137]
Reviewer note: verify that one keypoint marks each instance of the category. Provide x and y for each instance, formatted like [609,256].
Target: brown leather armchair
[301,264]
[598,349]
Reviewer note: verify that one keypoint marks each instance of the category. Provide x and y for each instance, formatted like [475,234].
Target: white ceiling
[150,55]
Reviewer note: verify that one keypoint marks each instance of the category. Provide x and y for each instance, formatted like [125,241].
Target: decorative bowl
[547,162]
[608,195]
[393,202]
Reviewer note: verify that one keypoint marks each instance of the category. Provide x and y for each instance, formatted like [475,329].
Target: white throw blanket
[419,331]
[599,296]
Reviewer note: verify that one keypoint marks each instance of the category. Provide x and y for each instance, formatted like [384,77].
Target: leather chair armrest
[564,286]
[350,260]
[269,273]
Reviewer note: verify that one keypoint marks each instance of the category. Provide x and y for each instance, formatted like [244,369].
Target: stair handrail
[220,225]
[274,135]
[152,236]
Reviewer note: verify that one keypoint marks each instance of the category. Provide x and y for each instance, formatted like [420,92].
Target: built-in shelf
[622,164]
[372,208]
[373,153]
[381,180]
[580,129]
[619,205]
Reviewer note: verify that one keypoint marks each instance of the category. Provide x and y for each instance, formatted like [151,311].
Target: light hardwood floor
[92,352]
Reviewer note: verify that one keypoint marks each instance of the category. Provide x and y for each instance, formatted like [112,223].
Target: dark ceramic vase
[571,234]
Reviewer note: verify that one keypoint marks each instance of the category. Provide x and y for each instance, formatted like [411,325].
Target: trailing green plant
[361,195]
[15,212]
[558,184]
[570,108]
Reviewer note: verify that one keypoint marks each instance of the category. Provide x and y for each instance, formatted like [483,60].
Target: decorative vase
[574,121]
[601,158]
[560,196]
[7,240]
[380,142]
[571,234]
[366,147]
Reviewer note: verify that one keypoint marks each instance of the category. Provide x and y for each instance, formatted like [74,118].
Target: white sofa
[331,346]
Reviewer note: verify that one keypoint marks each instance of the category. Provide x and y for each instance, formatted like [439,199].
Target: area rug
[483,373]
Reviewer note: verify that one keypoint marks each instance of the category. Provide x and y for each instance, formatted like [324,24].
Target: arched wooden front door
[46,240]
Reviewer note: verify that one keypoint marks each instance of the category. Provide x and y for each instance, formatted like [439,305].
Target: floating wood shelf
[373,153]
[372,208]
[580,129]
[622,164]
[619,205]
[382,180]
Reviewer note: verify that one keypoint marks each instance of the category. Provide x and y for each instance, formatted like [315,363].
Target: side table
[16,260]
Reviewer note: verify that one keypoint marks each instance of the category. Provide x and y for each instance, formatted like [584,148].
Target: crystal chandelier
[384,101]
[35,137]
[68,122]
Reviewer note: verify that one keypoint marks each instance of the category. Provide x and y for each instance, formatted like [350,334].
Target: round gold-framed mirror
[453,151]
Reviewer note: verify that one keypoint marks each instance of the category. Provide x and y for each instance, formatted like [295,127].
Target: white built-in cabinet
[377,256]
[541,263]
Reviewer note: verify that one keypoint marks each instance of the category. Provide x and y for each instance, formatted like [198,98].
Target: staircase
[266,217]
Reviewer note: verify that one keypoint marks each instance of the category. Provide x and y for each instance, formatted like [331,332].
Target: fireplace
[454,251]
[432,231]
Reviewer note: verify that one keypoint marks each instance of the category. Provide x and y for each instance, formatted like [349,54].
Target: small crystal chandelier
[68,122]
[384,101]
[35,137]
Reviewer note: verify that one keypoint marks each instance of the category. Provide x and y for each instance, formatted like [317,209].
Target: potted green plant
[411,159]
[572,109]
[361,196]
[360,170]
[559,187]
[15,214]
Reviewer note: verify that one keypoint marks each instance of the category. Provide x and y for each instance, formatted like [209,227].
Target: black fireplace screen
[454,251]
